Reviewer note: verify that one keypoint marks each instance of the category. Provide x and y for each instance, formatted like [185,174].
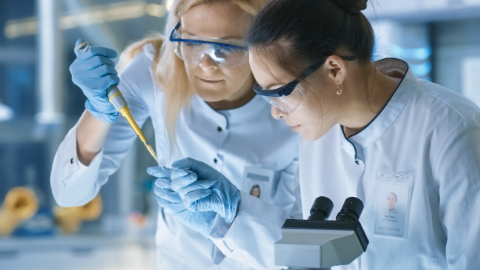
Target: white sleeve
[456,173]
[250,238]
[74,184]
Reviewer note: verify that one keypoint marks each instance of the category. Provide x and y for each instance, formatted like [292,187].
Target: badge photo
[257,181]
[392,205]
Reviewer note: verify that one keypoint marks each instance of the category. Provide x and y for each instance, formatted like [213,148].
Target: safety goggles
[288,97]
[192,49]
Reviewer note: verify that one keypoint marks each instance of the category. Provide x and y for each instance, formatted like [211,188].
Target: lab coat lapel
[387,116]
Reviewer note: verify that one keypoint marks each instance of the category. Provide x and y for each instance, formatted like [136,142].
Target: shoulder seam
[446,137]
[442,101]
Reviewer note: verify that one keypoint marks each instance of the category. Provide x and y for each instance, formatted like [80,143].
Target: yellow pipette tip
[126,113]
[150,149]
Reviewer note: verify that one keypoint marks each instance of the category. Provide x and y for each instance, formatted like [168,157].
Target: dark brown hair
[296,34]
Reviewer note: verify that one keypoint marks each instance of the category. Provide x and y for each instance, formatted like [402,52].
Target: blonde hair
[169,70]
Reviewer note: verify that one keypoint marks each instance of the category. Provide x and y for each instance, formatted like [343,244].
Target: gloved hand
[199,221]
[94,71]
[211,192]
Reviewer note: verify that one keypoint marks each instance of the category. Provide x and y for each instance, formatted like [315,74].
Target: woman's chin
[212,95]
[309,136]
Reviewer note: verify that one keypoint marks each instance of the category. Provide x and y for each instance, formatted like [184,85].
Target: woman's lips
[295,128]
[210,81]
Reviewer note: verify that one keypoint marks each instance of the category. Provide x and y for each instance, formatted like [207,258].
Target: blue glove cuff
[231,213]
[104,117]
[201,222]
[207,227]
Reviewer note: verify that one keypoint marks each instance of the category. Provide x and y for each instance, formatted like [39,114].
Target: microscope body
[320,244]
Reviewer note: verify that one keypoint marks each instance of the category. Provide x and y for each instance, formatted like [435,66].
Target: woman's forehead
[267,73]
[223,20]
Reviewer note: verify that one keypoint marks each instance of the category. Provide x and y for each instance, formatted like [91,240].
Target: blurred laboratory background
[440,39]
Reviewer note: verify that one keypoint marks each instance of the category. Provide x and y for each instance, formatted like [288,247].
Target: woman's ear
[336,69]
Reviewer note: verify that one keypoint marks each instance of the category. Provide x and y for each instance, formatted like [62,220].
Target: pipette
[116,98]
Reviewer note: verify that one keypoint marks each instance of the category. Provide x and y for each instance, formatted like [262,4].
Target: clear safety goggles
[192,49]
[288,97]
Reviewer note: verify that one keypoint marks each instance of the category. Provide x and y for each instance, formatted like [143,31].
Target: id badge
[258,181]
[393,194]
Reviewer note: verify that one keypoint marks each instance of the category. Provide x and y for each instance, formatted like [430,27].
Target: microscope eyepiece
[351,210]
[321,209]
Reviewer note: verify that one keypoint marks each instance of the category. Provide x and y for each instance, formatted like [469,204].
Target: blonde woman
[196,86]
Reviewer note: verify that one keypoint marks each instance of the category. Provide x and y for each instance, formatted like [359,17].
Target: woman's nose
[277,113]
[208,64]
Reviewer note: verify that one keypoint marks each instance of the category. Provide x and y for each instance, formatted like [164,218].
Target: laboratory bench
[78,252]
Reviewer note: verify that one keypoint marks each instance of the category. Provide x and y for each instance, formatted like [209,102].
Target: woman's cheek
[237,76]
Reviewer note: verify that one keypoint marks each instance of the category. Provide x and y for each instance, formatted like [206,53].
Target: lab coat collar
[392,109]
[223,117]
[200,108]
[250,110]
[149,51]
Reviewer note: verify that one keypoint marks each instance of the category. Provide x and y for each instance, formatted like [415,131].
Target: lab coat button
[215,160]
[219,129]
[357,162]
[71,161]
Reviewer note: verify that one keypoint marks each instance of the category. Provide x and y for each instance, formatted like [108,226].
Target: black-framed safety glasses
[288,97]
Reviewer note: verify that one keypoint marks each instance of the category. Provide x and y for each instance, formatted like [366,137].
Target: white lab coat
[227,140]
[425,131]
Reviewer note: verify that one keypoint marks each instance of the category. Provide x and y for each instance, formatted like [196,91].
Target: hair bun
[354,6]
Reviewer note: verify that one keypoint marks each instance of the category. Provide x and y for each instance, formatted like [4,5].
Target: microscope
[318,243]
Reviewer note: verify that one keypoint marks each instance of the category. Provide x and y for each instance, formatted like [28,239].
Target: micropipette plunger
[116,98]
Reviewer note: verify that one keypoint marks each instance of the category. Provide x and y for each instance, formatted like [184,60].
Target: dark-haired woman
[368,128]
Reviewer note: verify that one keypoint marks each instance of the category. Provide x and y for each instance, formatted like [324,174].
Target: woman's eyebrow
[279,84]
[231,37]
[268,86]
[227,37]
[188,33]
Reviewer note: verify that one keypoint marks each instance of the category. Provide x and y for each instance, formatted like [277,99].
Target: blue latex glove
[211,192]
[94,71]
[167,198]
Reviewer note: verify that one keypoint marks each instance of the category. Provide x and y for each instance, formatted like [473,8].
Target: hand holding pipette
[101,103]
